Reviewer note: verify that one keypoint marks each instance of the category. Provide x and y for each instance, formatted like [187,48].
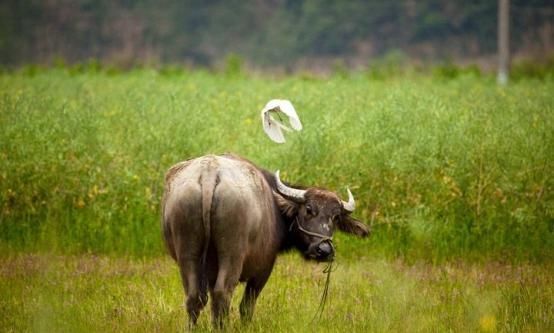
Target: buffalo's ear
[286,207]
[350,225]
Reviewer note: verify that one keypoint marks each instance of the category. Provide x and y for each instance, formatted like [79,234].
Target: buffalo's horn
[351,204]
[292,193]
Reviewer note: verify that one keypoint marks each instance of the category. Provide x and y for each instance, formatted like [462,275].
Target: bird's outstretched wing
[273,127]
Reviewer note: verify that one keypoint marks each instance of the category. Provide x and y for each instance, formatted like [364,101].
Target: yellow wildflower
[488,323]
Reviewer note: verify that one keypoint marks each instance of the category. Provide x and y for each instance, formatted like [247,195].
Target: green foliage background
[440,167]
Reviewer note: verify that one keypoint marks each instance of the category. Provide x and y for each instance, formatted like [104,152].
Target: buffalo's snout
[324,251]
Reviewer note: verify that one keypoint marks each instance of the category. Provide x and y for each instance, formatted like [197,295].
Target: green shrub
[233,65]
[527,69]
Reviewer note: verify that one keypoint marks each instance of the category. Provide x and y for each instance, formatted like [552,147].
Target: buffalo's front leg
[251,293]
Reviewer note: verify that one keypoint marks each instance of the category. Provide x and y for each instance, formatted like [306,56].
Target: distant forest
[267,33]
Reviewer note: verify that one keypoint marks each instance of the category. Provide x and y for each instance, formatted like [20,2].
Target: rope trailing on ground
[327,270]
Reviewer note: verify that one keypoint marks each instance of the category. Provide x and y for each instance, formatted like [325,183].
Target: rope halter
[322,238]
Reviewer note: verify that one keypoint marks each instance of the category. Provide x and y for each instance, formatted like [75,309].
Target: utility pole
[503,41]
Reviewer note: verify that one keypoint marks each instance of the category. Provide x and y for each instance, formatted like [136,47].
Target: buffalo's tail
[210,178]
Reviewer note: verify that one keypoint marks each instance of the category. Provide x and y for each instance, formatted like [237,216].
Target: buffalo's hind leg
[227,279]
[188,252]
[196,294]
[186,235]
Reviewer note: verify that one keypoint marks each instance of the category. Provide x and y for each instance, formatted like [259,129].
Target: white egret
[273,127]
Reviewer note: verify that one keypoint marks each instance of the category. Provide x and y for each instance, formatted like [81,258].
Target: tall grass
[440,168]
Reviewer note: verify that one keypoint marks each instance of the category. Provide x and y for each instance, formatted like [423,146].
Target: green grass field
[454,175]
[47,293]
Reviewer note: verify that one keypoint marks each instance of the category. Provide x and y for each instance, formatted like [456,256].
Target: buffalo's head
[315,214]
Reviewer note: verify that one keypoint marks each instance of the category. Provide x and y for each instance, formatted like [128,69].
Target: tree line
[265,32]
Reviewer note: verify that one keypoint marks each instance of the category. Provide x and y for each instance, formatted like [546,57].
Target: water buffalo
[225,220]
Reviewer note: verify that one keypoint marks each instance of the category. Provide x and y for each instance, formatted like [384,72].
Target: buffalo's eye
[309,210]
